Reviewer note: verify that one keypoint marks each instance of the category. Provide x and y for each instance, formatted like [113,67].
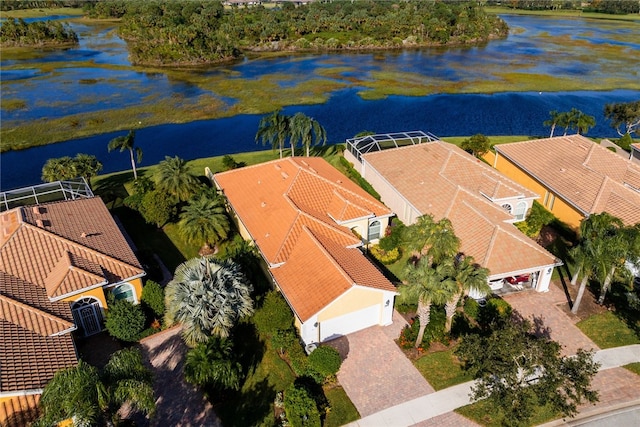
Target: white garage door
[352,322]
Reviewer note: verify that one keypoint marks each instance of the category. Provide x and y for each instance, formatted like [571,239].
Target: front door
[88,316]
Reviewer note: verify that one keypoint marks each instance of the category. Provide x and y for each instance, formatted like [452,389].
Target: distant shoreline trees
[191,33]
[18,33]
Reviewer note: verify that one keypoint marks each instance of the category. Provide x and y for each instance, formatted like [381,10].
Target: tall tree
[274,129]
[435,239]
[518,371]
[174,178]
[127,142]
[467,276]
[203,221]
[306,130]
[478,145]
[584,122]
[93,397]
[427,284]
[207,297]
[59,169]
[87,166]
[553,121]
[625,115]
[583,260]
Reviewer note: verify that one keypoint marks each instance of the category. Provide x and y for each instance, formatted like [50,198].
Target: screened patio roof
[49,192]
[384,141]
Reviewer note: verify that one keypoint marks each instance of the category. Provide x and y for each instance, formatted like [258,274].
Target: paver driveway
[376,374]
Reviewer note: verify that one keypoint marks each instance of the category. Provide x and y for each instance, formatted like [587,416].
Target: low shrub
[125,321]
[433,333]
[274,314]
[472,308]
[283,339]
[496,312]
[300,408]
[325,360]
[153,297]
[357,178]
[385,256]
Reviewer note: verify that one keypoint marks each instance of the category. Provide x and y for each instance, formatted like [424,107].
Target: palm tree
[553,121]
[584,261]
[584,122]
[174,178]
[91,397]
[427,284]
[306,130]
[203,221]
[87,166]
[59,169]
[207,297]
[213,363]
[467,275]
[274,129]
[435,239]
[127,143]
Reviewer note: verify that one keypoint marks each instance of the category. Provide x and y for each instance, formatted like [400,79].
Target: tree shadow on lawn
[112,190]
[248,407]
[624,308]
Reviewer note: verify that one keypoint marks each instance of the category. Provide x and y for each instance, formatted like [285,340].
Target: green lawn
[633,367]
[563,13]
[441,369]
[40,12]
[607,330]
[485,414]
[342,410]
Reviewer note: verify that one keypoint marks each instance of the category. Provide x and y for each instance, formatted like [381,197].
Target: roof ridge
[79,246]
[332,259]
[600,192]
[288,233]
[21,222]
[36,311]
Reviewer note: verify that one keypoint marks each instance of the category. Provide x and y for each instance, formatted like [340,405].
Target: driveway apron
[376,374]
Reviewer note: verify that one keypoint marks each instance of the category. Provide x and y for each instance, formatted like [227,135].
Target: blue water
[535,45]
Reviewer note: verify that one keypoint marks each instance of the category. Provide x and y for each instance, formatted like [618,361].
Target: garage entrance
[352,322]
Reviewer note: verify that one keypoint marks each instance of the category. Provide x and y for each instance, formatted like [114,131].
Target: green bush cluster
[125,320]
[301,408]
[495,313]
[537,218]
[325,360]
[472,308]
[153,297]
[435,331]
[274,315]
[17,32]
[353,175]
[393,235]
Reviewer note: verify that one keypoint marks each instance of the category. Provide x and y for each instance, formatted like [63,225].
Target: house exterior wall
[353,300]
[97,293]
[551,201]
[362,226]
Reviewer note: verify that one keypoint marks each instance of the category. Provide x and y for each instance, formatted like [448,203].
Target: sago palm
[207,297]
[204,221]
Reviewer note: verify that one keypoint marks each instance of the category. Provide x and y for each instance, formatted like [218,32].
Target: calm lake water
[537,45]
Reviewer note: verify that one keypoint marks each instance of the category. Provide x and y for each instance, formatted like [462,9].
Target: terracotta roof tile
[287,205]
[33,295]
[32,318]
[19,411]
[28,360]
[580,171]
[442,180]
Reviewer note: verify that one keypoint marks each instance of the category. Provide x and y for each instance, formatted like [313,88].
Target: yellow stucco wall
[100,293]
[562,210]
[356,299]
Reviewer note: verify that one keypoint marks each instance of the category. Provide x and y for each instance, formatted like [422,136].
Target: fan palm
[213,363]
[274,129]
[427,284]
[61,168]
[174,178]
[127,143]
[207,297]
[91,397]
[203,221]
[306,130]
[467,275]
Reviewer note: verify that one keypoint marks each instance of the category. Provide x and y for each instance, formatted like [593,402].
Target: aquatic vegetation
[12,104]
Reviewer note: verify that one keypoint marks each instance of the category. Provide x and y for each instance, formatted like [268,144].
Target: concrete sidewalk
[443,401]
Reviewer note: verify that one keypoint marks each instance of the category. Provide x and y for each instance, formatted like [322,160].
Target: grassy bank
[41,12]
[563,13]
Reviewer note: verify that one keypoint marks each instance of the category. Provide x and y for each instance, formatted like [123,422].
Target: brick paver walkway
[376,374]
[450,419]
[547,306]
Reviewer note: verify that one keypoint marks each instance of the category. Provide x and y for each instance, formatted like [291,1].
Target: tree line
[187,32]
[17,32]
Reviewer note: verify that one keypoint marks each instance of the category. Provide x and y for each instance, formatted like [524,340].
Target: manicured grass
[40,12]
[398,267]
[342,410]
[485,414]
[496,139]
[562,13]
[633,367]
[442,369]
[607,330]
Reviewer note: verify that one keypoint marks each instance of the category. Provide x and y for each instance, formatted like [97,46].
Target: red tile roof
[440,179]
[19,411]
[585,174]
[293,208]
[48,252]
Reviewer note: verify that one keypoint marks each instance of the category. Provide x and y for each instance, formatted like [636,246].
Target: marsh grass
[12,104]
[40,12]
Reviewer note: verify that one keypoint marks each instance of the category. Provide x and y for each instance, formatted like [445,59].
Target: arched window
[124,291]
[374,230]
[521,211]
[87,314]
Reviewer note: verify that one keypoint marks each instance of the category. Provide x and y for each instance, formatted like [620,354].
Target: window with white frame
[521,211]
[124,291]
[374,230]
